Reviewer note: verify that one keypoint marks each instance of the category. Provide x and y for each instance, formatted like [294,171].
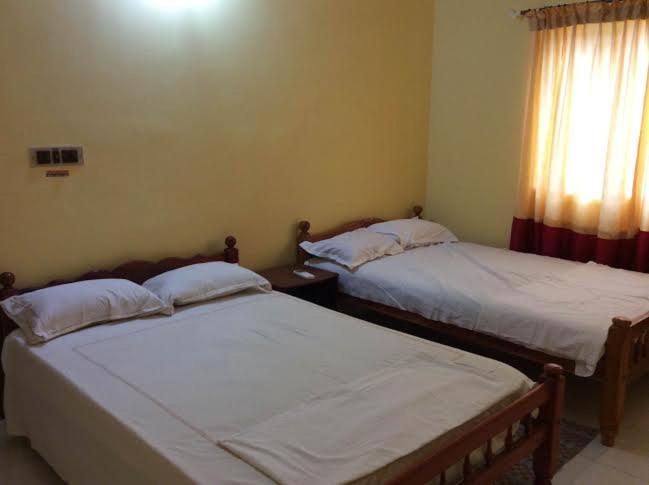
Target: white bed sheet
[559,307]
[378,418]
[146,401]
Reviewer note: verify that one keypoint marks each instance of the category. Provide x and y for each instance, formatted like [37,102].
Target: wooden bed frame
[541,439]
[626,356]
[539,410]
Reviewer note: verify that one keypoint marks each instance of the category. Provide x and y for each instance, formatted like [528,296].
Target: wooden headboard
[303,233]
[136,271]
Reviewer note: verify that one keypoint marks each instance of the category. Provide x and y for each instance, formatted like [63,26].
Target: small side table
[320,290]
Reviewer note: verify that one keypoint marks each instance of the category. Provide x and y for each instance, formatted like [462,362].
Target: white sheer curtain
[586,148]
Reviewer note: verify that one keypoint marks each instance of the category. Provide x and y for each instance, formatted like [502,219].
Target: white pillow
[57,310]
[204,281]
[412,233]
[351,249]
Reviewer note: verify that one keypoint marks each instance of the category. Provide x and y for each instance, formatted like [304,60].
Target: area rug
[574,438]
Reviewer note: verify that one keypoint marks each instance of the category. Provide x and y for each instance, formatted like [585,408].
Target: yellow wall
[480,76]
[241,118]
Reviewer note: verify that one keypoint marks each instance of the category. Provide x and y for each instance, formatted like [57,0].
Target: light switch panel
[48,156]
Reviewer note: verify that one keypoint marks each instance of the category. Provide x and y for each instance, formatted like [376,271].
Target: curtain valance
[586,13]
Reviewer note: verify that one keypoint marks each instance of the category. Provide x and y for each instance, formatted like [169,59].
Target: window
[586,147]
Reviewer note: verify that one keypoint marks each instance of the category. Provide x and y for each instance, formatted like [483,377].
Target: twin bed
[540,308]
[257,387]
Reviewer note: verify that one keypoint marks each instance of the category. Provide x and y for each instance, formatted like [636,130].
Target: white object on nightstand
[303,274]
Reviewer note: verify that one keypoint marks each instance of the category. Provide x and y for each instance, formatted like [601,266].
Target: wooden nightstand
[320,290]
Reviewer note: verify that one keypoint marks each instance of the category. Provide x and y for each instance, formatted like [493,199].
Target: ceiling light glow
[180,4]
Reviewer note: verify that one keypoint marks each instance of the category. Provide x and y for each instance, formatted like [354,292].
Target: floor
[626,464]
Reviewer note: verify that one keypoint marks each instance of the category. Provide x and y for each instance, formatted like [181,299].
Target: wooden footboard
[626,359]
[541,439]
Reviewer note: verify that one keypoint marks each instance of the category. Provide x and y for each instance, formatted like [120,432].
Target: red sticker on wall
[57,173]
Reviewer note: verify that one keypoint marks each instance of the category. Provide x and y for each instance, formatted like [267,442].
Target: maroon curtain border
[529,236]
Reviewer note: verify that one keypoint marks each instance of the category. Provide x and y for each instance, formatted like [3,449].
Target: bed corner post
[7,281]
[302,235]
[616,372]
[417,210]
[546,457]
[231,252]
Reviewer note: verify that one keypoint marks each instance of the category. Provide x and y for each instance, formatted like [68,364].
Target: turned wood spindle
[509,439]
[467,469]
[489,453]
[442,478]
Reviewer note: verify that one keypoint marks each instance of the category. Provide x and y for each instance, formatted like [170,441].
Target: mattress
[559,307]
[148,400]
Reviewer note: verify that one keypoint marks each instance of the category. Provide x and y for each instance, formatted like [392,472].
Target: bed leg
[546,457]
[616,371]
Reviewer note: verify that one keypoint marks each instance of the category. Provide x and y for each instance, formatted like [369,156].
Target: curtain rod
[523,13]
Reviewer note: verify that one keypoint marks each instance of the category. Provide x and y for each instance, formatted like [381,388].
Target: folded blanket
[352,431]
